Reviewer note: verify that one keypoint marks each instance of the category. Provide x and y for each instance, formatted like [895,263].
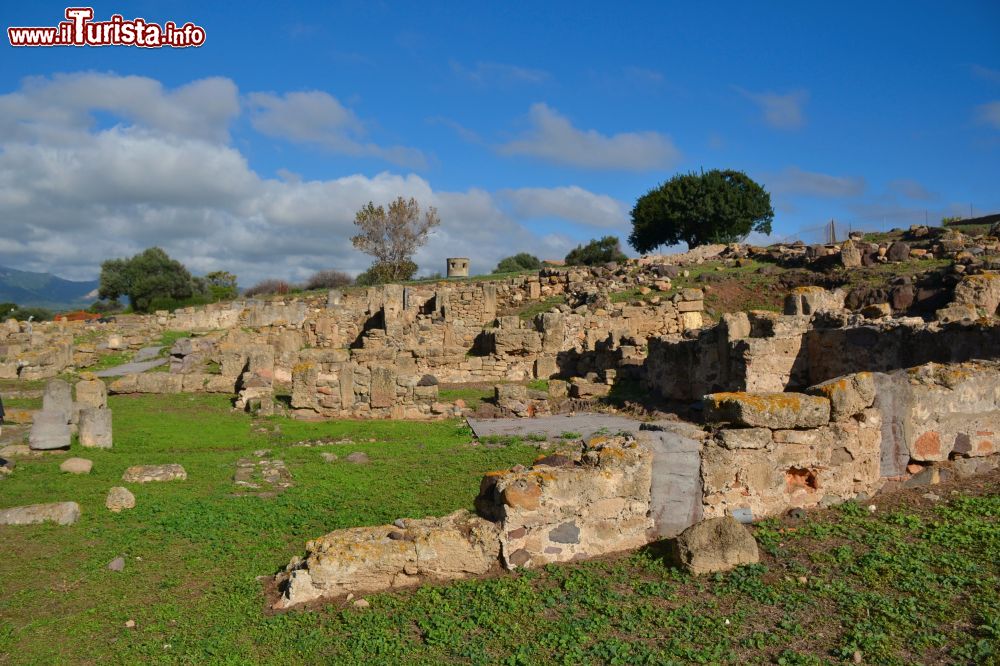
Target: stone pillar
[91,393]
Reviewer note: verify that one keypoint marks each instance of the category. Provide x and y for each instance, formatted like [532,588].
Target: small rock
[802,580]
[77,466]
[361,603]
[329,457]
[797,514]
[872,508]
[932,497]
[857,658]
[117,564]
[6,467]
[397,536]
[400,523]
[260,453]
[358,458]
[130,624]
[119,498]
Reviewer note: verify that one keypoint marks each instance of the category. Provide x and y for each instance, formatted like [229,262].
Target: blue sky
[531,127]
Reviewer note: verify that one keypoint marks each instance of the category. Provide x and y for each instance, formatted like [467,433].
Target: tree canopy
[596,252]
[148,276]
[391,236]
[521,261]
[712,207]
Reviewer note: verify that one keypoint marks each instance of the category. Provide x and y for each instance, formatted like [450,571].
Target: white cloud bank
[74,191]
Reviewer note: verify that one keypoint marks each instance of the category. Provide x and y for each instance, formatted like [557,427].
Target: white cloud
[573,204]
[795,181]
[495,73]
[317,118]
[989,114]
[62,107]
[781,111]
[553,138]
[73,193]
[910,189]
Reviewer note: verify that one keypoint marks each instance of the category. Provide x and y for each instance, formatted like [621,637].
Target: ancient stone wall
[568,506]
[763,351]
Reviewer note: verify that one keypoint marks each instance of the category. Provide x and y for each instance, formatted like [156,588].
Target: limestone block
[92,393]
[744,438]
[49,430]
[95,428]
[58,397]
[383,387]
[980,291]
[848,395]
[61,513]
[767,410]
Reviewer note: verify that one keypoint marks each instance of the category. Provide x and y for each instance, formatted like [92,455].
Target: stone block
[49,430]
[745,438]
[848,395]
[95,428]
[92,393]
[767,410]
[150,473]
[58,397]
[546,367]
[383,387]
[61,513]
[76,466]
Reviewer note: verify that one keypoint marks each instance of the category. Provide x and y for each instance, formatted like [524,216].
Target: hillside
[44,290]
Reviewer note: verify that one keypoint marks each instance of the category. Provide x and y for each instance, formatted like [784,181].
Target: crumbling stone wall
[844,439]
[763,351]
[573,505]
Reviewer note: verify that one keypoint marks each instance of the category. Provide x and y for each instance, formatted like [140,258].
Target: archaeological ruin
[757,412]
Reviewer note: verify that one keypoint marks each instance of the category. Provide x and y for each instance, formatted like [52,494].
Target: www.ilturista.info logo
[81,30]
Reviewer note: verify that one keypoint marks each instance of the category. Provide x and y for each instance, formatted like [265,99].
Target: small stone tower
[458,267]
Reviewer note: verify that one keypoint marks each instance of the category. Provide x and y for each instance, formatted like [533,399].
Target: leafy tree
[15,311]
[392,236]
[519,262]
[380,273]
[711,207]
[596,252]
[222,285]
[269,286]
[328,280]
[147,276]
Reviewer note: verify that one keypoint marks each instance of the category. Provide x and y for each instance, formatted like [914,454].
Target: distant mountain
[44,290]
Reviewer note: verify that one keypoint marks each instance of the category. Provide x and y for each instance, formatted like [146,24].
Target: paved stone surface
[63,513]
[268,478]
[147,473]
[676,490]
[131,368]
[146,354]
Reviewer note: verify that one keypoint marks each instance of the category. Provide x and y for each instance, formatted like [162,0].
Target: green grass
[473,396]
[920,583]
[195,587]
[111,360]
[168,338]
[528,312]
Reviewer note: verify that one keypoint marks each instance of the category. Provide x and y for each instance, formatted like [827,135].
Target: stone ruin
[758,455]
[60,417]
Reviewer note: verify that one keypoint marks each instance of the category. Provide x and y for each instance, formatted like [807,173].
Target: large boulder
[717,544]
[62,513]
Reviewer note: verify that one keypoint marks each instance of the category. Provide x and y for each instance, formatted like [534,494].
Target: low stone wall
[779,451]
[568,506]
[164,382]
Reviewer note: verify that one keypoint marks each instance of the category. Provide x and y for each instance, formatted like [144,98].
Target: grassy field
[915,582]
